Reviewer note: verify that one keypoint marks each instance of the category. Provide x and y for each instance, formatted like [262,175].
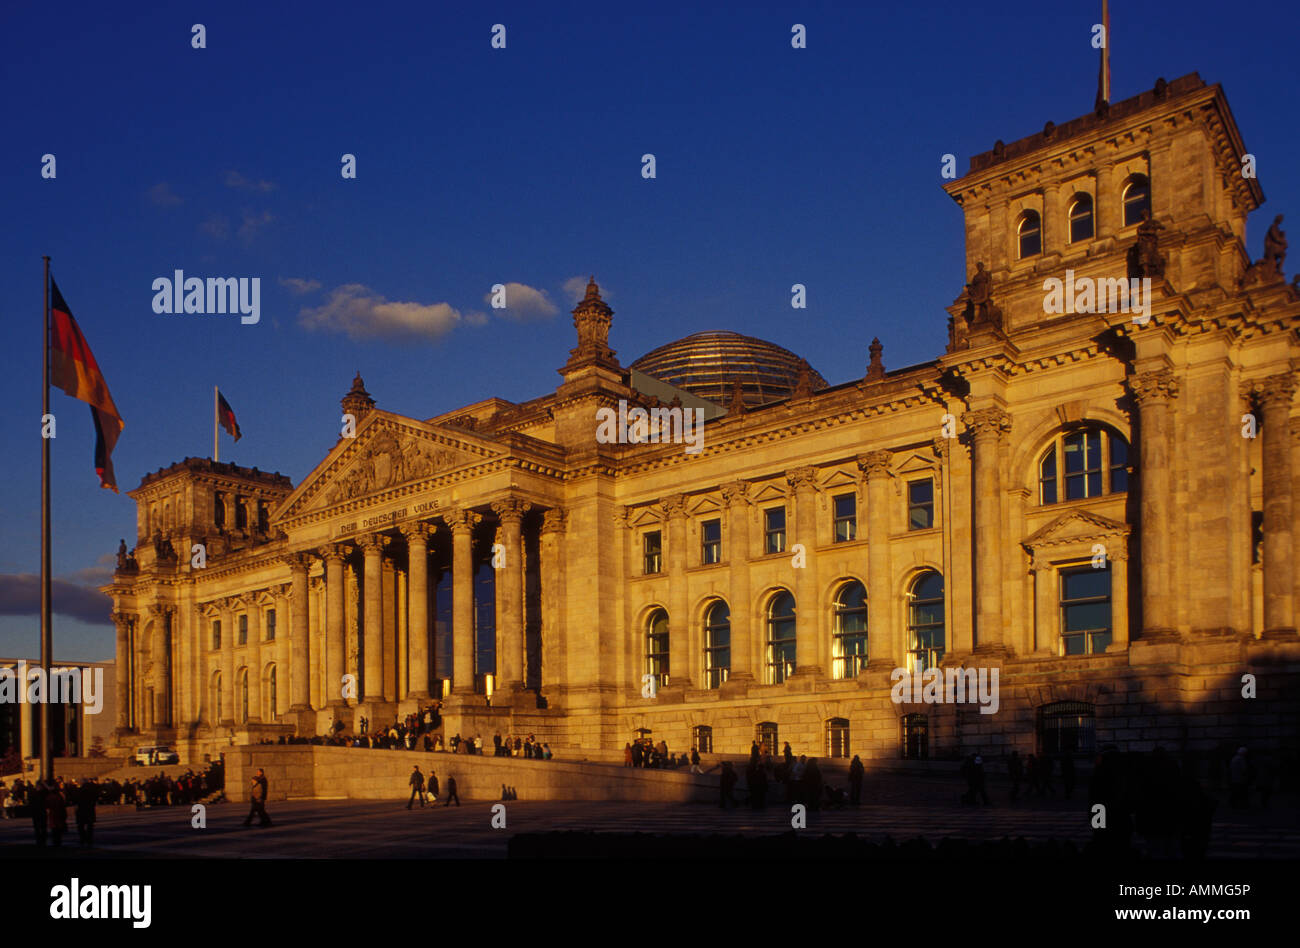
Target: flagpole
[47,636]
[216,448]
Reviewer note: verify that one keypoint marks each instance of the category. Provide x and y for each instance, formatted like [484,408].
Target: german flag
[226,415]
[73,368]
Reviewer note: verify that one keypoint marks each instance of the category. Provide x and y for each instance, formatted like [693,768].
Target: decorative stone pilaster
[1275,395]
[988,427]
[684,655]
[1154,392]
[122,678]
[886,647]
[736,496]
[809,647]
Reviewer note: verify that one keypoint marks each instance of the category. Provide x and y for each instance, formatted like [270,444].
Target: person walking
[726,783]
[57,809]
[40,818]
[433,786]
[855,781]
[695,760]
[86,812]
[258,794]
[451,792]
[417,787]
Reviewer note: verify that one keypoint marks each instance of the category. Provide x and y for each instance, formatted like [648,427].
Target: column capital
[248,599]
[122,620]
[1153,387]
[372,541]
[417,531]
[941,446]
[987,422]
[333,552]
[674,506]
[460,520]
[553,520]
[510,509]
[735,493]
[874,463]
[802,478]
[1275,390]
[298,562]
[161,609]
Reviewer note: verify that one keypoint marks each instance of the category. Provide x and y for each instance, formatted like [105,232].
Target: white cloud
[362,313]
[525,302]
[237,181]
[163,195]
[300,287]
[253,223]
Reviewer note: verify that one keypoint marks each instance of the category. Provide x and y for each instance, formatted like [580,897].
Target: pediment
[388,452]
[1075,526]
[705,505]
[839,479]
[769,494]
[915,463]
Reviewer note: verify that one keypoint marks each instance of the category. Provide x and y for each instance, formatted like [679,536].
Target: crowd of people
[645,753]
[799,778]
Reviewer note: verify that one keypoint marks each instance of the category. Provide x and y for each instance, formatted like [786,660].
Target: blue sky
[478,166]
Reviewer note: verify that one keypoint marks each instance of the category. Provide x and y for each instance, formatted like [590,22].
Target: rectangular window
[243,630]
[270,625]
[711,542]
[1085,611]
[920,505]
[846,518]
[774,530]
[652,545]
[1082,464]
[216,634]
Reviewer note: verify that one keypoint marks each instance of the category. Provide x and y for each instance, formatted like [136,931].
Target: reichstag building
[1099,505]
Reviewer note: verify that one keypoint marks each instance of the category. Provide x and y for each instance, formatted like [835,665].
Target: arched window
[702,738]
[717,644]
[1137,199]
[1081,226]
[780,638]
[1029,233]
[925,622]
[916,736]
[1096,463]
[765,735]
[1066,727]
[243,696]
[849,638]
[656,647]
[837,737]
[271,695]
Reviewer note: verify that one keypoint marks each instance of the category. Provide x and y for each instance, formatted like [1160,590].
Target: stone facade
[1098,504]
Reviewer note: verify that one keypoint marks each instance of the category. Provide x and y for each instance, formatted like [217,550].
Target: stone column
[461,523]
[1046,606]
[1275,394]
[682,656]
[510,585]
[551,567]
[253,661]
[886,646]
[417,606]
[334,613]
[226,606]
[299,639]
[1117,552]
[988,428]
[122,624]
[1153,392]
[1106,208]
[736,496]
[372,548]
[808,642]
[281,593]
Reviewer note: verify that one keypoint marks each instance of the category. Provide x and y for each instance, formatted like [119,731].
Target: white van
[148,755]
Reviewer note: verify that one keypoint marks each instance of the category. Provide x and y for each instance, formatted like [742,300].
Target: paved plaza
[321,828]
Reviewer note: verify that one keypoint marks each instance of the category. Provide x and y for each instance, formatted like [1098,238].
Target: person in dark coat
[451,792]
[417,787]
[812,785]
[258,797]
[433,786]
[757,778]
[40,818]
[57,809]
[726,784]
[855,780]
[86,812]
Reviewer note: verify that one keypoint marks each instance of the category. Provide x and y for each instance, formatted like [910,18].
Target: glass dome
[707,365]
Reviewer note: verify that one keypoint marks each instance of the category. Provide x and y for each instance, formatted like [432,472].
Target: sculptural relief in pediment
[388,461]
